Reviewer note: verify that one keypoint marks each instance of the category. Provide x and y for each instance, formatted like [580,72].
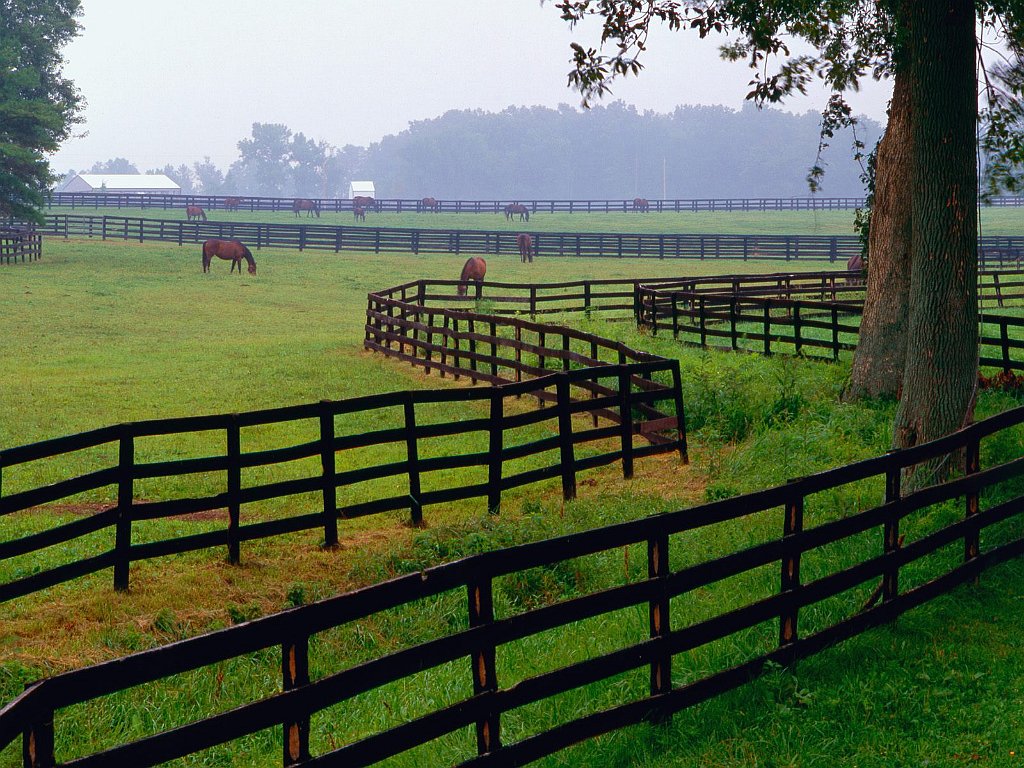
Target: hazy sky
[172,81]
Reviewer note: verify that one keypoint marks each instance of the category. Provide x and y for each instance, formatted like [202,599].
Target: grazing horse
[640,205]
[525,243]
[430,204]
[195,212]
[360,213]
[309,206]
[363,201]
[474,269]
[230,250]
[513,208]
[855,264]
[232,203]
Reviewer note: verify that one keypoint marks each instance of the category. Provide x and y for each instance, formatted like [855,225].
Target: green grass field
[102,332]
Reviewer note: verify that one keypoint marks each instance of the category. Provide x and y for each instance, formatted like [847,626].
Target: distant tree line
[612,151]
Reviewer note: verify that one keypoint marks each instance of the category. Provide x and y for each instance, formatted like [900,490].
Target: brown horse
[232,203]
[230,250]
[430,204]
[364,202]
[195,212]
[474,269]
[513,208]
[309,206]
[640,205]
[525,243]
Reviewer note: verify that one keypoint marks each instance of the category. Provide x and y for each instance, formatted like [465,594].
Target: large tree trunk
[882,345]
[940,374]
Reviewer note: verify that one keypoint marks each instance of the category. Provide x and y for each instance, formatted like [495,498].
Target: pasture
[994,221]
[108,332]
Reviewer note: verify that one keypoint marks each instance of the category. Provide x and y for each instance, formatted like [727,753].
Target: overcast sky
[169,81]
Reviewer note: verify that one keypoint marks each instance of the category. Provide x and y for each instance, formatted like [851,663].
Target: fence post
[891,530]
[796,327]
[481,613]
[677,398]
[494,349]
[660,623]
[972,539]
[792,525]
[234,439]
[565,441]
[767,328]
[37,742]
[295,674]
[702,321]
[675,315]
[472,350]
[835,333]
[412,460]
[494,451]
[625,416]
[330,491]
[125,494]
[1004,341]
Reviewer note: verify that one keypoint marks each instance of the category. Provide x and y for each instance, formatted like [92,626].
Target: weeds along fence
[402,462]
[20,243]
[812,579]
[759,314]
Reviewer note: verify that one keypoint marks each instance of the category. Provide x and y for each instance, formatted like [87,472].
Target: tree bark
[881,348]
[940,374]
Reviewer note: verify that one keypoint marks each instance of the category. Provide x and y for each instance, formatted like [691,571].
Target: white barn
[122,183]
[361,189]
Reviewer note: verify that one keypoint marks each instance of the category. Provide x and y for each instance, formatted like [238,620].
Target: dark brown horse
[309,206]
[230,250]
[640,205]
[474,269]
[194,212]
[513,208]
[363,201]
[232,203]
[359,213]
[430,204]
[525,243]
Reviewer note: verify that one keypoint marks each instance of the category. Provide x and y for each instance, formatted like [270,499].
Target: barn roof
[361,186]
[113,181]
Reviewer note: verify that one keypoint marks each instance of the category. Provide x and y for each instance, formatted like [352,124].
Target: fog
[171,82]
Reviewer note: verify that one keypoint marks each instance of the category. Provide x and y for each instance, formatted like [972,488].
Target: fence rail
[404,205]
[759,314]
[20,243]
[906,555]
[993,250]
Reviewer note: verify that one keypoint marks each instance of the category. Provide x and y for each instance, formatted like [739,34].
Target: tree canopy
[38,106]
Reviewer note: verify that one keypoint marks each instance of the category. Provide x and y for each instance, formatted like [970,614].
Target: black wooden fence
[395,205]
[392,453]
[20,243]
[460,241]
[901,552]
[407,205]
[759,314]
[993,250]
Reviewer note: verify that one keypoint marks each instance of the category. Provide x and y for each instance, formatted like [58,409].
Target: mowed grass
[994,221]
[127,331]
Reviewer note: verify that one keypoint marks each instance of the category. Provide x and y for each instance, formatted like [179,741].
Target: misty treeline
[607,152]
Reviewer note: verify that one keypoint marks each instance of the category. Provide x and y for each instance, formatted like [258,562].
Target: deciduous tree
[930,45]
[38,106]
